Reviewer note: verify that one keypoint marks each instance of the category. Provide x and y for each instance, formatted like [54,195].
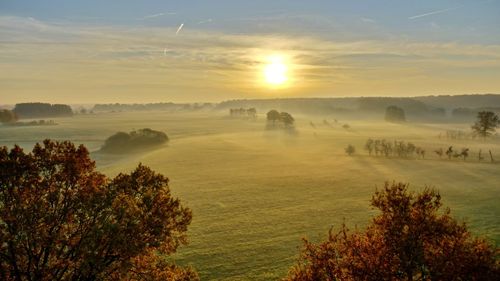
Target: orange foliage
[62,220]
[410,240]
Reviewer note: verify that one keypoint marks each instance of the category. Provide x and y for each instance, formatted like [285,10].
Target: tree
[369,146]
[411,239]
[60,219]
[287,119]
[350,150]
[394,114]
[8,116]
[486,124]
[273,116]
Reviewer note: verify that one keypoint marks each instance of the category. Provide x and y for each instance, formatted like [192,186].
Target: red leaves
[60,219]
[410,240]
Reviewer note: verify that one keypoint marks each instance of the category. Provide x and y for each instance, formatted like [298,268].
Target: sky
[126,51]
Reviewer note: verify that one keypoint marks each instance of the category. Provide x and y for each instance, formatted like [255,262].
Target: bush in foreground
[122,142]
[410,240]
[62,220]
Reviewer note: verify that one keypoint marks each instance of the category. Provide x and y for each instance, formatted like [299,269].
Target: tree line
[242,112]
[38,109]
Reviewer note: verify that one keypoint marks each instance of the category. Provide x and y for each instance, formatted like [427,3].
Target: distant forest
[163,106]
[38,109]
[426,108]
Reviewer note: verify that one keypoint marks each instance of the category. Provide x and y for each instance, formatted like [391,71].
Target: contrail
[179,29]
[435,12]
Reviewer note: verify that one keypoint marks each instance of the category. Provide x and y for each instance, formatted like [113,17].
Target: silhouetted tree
[60,219]
[8,116]
[411,239]
[370,146]
[273,116]
[464,153]
[439,152]
[394,114]
[287,119]
[350,150]
[449,152]
[486,123]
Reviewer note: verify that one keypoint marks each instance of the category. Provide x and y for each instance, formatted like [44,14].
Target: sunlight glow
[275,71]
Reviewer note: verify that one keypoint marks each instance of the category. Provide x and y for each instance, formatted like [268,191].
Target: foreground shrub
[62,220]
[410,240]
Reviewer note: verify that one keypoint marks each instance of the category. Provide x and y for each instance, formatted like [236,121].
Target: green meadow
[255,193]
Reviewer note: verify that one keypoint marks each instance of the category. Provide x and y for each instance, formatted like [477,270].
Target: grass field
[256,193]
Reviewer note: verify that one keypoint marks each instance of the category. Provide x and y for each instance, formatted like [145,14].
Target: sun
[275,71]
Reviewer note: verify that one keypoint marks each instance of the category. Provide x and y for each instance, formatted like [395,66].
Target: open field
[255,193]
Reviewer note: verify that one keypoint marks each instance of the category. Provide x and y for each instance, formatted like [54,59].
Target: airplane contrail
[435,12]
[179,29]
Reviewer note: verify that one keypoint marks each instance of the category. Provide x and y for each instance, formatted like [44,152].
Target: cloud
[91,61]
[157,15]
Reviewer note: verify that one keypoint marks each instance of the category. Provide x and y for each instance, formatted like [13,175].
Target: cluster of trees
[60,219]
[396,148]
[450,152]
[242,112]
[456,135]
[411,239]
[462,153]
[8,116]
[279,119]
[394,114]
[38,109]
[122,142]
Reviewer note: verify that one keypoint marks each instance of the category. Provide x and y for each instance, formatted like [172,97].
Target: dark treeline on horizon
[38,109]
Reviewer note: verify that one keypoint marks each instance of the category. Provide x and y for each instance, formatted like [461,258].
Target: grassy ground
[255,193]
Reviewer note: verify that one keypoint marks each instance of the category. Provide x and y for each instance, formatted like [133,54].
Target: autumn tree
[411,239]
[486,124]
[60,219]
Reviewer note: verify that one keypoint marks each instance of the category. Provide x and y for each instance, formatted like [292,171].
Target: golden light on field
[275,71]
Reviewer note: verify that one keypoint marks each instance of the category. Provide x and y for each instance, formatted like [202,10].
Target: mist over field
[255,192]
[261,140]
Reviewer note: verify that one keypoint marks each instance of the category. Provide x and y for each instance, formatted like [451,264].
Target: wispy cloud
[209,65]
[157,15]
